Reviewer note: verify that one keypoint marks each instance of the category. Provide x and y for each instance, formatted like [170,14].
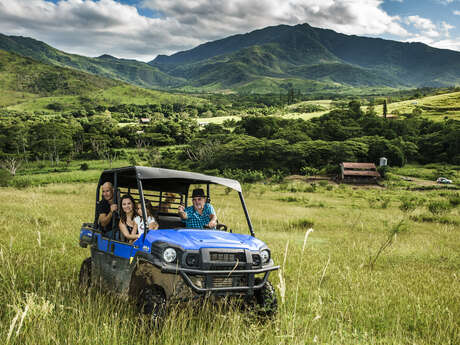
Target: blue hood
[192,239]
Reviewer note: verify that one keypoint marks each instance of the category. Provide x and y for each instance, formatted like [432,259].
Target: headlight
[265,256]
[169,255]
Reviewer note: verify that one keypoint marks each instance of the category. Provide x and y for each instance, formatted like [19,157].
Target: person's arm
[125,232]
[105,218]
[213,217]
[153,225]
[181,212]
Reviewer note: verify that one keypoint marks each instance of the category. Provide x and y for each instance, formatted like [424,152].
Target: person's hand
[113,207]
[212,224]
[180,208]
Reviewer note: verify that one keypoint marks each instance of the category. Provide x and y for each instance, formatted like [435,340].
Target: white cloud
[452,44]
[429,33]
[425,25]
[91,27]
[445,27]
[457,13]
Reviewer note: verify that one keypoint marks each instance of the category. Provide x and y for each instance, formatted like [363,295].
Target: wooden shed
[358,172]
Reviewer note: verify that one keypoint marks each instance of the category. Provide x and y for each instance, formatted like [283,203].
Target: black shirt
[103,207]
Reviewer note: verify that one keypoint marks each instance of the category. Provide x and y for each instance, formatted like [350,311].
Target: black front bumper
[237,275]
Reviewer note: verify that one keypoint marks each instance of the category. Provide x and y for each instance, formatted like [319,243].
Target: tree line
[258,142]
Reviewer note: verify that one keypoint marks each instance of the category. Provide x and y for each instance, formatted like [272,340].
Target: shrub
[323,183]
[311,188]
[84,166]
[5,178]
[309,171]
[302,223]
[278,176]
[244,176]
[407,204]
[385,202]
[454,200]
[291,199]
[439,207]
[132,161]
[21,183]
[383,170]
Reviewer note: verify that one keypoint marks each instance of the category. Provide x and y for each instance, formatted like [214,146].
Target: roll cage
[158,181]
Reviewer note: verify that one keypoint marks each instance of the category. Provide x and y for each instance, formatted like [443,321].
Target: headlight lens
[169,255]
[265,256]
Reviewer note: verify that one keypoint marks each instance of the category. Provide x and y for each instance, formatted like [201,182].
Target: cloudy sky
[142,29]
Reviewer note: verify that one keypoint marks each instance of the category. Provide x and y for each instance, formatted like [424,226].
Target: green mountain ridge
[310,53]
[23,74]
[272,59]
[130,71]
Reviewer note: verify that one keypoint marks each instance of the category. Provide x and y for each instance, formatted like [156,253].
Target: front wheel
[266,301]
[152,303]
[84,278]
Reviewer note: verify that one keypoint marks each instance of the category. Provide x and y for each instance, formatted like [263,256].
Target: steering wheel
[219,226]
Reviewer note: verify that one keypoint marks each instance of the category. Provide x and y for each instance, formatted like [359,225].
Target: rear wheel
[266,301]
[85,274]
[151,303]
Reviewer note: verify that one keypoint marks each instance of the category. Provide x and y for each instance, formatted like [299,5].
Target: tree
[385,108]
[11,163]
[51,139]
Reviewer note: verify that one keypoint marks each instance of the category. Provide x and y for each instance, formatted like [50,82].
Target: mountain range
[272,59]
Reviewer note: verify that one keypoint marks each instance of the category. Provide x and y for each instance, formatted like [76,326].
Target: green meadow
[381,266]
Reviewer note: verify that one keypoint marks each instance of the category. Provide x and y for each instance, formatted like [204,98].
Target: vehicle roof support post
[96,220]
[115,201]
[208,195]
[144,211]
[251,230]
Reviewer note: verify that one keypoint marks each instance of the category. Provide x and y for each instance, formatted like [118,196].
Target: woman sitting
[127,225]
[151,222]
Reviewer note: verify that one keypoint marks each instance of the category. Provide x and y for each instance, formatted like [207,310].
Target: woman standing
[127,225]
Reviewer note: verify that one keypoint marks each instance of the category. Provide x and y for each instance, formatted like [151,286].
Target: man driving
[200,215]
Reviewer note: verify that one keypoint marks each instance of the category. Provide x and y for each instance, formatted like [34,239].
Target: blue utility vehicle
[174,264]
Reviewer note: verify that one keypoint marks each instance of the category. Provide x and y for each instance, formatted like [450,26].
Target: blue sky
[142,29]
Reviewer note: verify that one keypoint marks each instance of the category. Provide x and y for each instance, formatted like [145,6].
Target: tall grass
[327,294]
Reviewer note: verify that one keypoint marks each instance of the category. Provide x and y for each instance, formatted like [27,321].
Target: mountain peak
[107,57]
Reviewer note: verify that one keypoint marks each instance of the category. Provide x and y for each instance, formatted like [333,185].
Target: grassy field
[125,94]
[329,292]
[434,107]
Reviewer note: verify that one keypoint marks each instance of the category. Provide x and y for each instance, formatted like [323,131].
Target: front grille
[228,257]
[226,267]
[228,281]
[222,282]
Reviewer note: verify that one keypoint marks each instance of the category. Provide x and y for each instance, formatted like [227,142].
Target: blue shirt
[198,221]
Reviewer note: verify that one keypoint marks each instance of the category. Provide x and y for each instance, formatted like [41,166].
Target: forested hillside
[302,54]
[131,71]
[27,75]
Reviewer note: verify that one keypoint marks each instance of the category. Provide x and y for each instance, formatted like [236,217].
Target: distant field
[434,107]
[125,94]
[327,291]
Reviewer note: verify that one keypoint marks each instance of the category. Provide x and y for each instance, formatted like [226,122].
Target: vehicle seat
[167,221]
